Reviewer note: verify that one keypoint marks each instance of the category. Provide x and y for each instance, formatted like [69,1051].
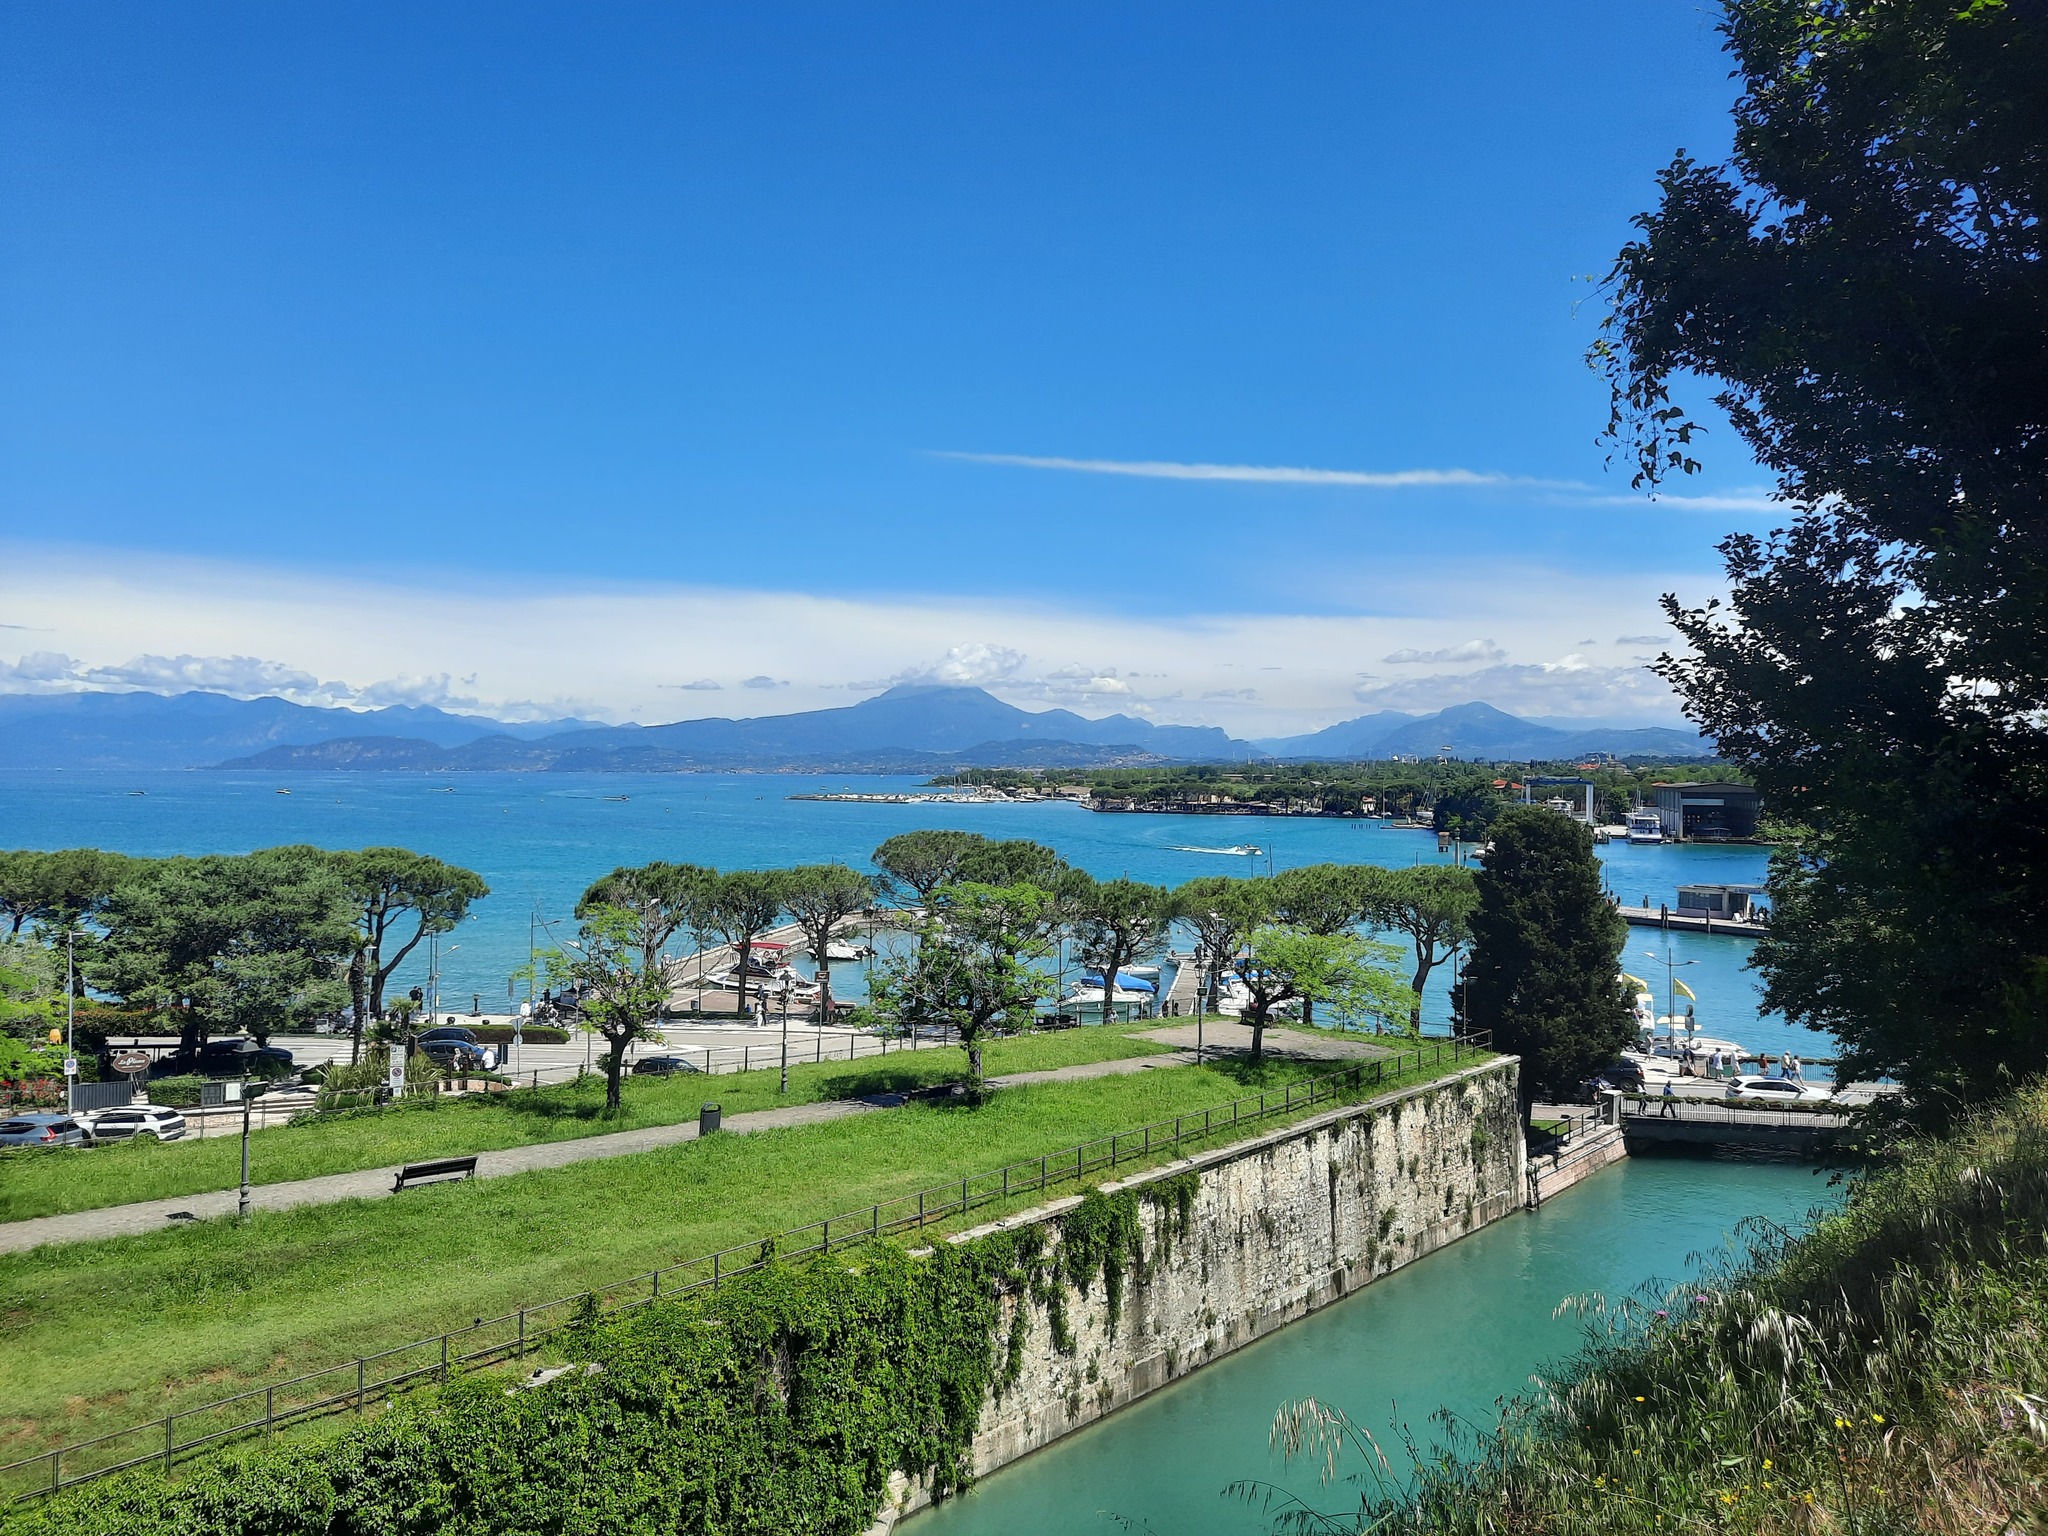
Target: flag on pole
[1683,989]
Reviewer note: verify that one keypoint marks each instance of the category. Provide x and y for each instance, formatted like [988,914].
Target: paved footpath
[376,1183]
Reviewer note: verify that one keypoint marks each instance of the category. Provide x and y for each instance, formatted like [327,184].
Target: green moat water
[1458,1330]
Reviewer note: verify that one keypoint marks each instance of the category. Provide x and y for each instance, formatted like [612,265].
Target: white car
[1777,1090]
[155,1121]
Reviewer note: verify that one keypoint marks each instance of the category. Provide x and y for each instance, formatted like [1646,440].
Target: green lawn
[51,1183]
[100,1335]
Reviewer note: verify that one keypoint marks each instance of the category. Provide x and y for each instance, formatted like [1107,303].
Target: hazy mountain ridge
[909,729]
[196,730]
[1478,730]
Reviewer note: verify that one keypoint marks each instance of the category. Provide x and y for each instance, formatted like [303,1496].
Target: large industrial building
[1708,813]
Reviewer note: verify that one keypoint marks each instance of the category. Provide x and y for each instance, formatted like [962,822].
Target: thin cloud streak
[1263,474]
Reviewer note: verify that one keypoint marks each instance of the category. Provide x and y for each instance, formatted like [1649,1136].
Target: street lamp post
[242,1202]
[70,1024]
[785,1036]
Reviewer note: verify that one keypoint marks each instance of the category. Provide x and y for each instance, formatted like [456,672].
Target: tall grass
[1886,1372]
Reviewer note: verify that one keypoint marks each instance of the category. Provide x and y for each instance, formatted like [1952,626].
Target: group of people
[1718,1064]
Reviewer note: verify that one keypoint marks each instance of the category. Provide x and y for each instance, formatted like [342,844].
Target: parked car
[448,1032]
[453,1055]
[1623,1074]
[664,1066]
[44,1128]
[1777,1090]
[135,1122]
[225,1058]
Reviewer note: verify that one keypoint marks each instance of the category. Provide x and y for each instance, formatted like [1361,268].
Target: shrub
[177,1092]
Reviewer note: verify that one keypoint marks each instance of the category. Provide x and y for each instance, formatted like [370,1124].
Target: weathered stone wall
[1280,1225]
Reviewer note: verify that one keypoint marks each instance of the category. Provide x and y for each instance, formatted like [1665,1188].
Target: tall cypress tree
[1545,976]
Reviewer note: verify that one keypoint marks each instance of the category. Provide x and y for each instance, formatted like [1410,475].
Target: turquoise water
[540,839]
[1456,1331]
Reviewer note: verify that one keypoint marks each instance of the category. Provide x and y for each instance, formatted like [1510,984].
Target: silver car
[1777,1090]
[134,1122]
[44,1128]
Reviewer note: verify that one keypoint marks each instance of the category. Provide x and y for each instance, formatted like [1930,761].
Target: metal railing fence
[352,1385]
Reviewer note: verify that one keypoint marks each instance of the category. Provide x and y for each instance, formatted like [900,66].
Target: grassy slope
[50,1183]
[213,1307]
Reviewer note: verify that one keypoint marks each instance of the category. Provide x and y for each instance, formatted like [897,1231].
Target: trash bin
[708,1119]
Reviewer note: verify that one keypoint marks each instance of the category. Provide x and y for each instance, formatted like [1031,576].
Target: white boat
[1645,827]
[836,951]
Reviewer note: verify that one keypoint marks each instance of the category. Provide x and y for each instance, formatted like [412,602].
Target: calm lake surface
[1456,1331]
[540,839]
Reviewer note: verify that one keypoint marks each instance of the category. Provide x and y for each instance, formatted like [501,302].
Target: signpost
[131,1062]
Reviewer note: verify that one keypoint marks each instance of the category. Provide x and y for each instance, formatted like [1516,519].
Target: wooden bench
[439,1168]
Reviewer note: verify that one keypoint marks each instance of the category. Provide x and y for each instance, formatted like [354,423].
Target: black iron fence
[353,1385]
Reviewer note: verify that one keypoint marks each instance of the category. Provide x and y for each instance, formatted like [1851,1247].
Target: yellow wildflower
[1877,1418]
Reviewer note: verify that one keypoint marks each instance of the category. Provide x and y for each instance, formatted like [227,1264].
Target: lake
[540,839]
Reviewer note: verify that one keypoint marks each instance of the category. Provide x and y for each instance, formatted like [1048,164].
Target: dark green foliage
[1865,279]
[780,1404]
[228,944]
[1545,975]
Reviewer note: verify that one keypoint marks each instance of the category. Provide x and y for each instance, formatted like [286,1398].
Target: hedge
[780,1404]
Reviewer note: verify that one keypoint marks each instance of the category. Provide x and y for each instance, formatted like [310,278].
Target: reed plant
[1886,1371]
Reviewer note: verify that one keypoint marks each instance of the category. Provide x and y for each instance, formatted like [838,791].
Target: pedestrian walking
[1668,1107]
[1714,1065]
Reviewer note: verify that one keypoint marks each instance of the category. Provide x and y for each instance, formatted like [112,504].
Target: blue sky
[609,352]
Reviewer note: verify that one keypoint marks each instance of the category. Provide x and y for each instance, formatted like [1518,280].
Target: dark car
[226,1058]
[453,1055]
[46,1128]
[1623,1074]
[450,1032]
[664,1066]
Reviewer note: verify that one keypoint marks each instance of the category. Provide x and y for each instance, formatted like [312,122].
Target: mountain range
[909,729]
[1481,731]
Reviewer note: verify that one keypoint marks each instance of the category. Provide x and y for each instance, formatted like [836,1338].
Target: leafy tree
[739,908]
[1545,976]
[239,944]
[1432,904]
[22,897]
[1223,911]
[386,888]
[915,864]
[1014,861]
[621,985]
[661,897]
[1863,277]
[1116,923]
[973,964]
[1318,898]
[818,898]
[1285,964]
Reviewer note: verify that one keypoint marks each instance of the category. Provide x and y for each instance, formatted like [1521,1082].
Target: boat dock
[1691,922]
[1183,998]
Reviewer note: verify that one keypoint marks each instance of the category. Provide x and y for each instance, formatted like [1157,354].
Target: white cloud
[1568,686]
[702,685]
[765,681]
[241,677]
[1470,650]
[613,652]
[1266,474]
[1642,639]
[965,666]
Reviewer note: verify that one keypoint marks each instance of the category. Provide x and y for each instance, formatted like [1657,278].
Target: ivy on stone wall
[779,1404]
